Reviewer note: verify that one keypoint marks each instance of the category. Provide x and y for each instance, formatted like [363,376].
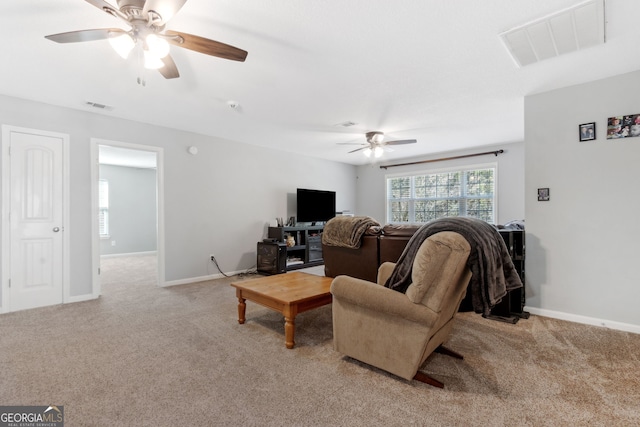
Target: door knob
[56,229]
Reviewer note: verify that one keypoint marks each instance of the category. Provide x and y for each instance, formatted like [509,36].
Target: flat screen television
[315,205]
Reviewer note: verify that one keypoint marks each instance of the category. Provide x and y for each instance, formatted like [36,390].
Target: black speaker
[511,308]
[272,257]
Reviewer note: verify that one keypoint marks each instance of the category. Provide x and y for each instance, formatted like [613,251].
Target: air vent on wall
[569,30]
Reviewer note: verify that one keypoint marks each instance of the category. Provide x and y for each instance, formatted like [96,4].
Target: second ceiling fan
[376,144]
[147,20]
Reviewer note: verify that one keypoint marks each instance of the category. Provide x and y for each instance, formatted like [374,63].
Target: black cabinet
[511,308]
[305,245]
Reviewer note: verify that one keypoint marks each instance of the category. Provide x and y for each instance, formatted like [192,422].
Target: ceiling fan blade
[106,7]
[358,149]
[84,35]
[350,143]
[170,70]
[401,141]
[206,46]
[166,9]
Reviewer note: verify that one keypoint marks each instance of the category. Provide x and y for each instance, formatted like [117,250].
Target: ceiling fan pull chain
[140,66]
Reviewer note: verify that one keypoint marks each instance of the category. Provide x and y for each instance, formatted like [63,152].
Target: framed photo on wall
[623,126]
[587,131]
[543,194]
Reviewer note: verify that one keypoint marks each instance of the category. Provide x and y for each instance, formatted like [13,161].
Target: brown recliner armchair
[396,332]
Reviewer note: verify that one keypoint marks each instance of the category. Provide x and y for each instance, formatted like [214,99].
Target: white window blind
[103,207]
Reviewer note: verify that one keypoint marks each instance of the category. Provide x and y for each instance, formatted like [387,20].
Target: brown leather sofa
[378,245]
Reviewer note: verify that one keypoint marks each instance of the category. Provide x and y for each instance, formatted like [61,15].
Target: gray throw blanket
[346,231]
[493,272]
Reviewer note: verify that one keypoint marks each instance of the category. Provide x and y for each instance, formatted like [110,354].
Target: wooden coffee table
[289,294]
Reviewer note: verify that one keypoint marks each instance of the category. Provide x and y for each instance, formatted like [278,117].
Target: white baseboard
[626,327]
[80,298]
[129,254]
[199,279]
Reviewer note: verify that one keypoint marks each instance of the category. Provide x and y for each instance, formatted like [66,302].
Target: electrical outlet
[113,243]
[212,258]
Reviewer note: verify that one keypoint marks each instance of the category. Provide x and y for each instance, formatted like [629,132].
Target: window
[421,198]
[103,207]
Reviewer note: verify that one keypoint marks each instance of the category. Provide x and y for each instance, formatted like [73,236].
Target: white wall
[582,245]
[132,210]
[217,202]
[372,179]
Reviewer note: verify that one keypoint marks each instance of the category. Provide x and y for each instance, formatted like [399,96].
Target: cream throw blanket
[346,231]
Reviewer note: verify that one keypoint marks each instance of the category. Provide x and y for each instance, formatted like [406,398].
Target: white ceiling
[433,70]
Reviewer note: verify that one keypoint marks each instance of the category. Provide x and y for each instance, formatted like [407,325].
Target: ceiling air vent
[99,106]
[569,30]
[346,124]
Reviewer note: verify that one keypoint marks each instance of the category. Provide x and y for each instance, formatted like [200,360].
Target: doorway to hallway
[128,237]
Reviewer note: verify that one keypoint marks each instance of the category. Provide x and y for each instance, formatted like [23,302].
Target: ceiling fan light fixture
[144,18]
[367,152]
[375,137]
[151,61]
[158,46]
[377,152]
[122,44]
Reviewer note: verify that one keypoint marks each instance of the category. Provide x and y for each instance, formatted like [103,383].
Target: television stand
[307,250]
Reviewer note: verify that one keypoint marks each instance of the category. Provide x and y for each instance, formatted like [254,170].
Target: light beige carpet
[147,356]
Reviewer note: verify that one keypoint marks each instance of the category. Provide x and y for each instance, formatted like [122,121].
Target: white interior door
[36,219]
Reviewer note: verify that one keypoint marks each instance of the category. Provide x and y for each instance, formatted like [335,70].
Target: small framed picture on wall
[543,194]
[587,131]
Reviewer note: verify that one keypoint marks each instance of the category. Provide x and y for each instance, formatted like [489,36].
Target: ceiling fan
[147,20]
[376,144]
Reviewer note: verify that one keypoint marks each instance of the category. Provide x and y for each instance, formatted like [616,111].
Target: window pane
[453,188]
[424,211]
[448,184]
[449,207]
[480,182]
[400,188]
[481,209]
[425,186]
[399,211]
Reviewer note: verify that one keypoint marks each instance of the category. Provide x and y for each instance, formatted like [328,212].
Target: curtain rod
[495,153]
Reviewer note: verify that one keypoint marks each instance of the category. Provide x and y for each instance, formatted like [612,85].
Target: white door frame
[95,234]
[5,305]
